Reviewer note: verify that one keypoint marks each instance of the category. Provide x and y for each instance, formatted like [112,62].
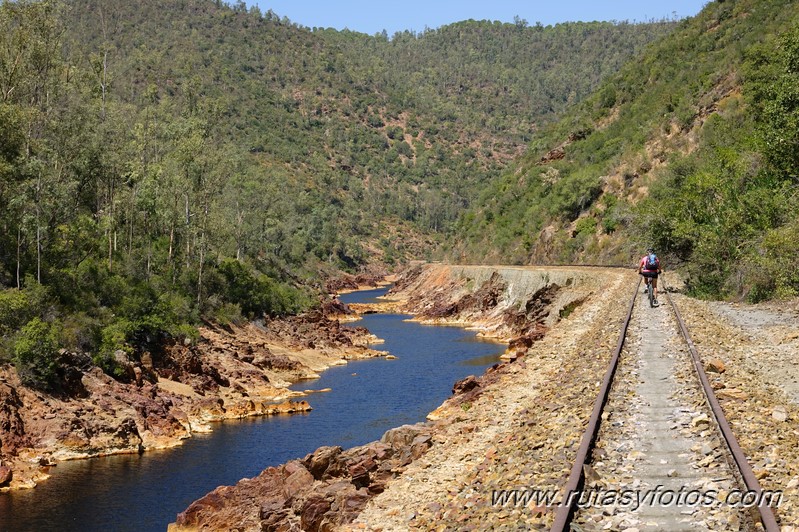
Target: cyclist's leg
[655,287]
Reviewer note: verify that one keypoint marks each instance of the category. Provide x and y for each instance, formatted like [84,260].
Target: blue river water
[146,492]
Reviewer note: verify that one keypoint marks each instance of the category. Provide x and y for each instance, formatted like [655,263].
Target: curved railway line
[663,448]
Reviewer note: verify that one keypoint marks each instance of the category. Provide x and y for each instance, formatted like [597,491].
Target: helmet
[650,250]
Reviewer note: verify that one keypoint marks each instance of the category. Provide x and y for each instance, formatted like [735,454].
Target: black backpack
[652,263]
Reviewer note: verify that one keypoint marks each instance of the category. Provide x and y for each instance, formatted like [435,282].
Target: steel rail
[767,517]
[566,508]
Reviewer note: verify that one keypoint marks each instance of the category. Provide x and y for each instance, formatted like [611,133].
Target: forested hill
[405,128]
[693,148]
[167,162]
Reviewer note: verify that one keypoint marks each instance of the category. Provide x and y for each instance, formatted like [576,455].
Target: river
[146,492]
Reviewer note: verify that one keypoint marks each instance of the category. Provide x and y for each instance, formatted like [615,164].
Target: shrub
[115,337]
[404,149]
[395,132]
[14,306]
[585,226]
[256,293]
[375,121]
[224,313]
[35,354]
[610,222]
[17,307]
[770,272]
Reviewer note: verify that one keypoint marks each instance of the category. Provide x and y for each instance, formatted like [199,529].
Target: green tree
[36,352]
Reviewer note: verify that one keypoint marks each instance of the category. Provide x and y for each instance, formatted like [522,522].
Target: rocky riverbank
[165,395]
[549,318]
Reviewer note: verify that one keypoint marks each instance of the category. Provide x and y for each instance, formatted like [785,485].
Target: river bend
[145,492]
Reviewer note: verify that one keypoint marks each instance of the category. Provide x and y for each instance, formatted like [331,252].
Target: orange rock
[714,365]
[5,475]
[289,407]
[732,393]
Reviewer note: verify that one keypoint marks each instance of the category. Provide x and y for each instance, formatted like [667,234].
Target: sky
[373,16]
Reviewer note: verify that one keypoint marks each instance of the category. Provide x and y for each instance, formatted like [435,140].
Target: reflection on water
[140,493]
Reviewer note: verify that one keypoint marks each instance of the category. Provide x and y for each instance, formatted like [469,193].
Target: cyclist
[649,267]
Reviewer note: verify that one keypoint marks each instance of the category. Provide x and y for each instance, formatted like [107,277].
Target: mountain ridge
[627,167]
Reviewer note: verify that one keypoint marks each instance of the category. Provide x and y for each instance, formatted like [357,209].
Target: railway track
[658,452]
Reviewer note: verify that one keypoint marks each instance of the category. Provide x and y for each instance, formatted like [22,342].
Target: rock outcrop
[163,396]
[12,427]
[326,489]
[515,305]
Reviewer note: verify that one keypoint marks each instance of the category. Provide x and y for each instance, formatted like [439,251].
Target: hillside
[403,130]
[164,164]
[692,147]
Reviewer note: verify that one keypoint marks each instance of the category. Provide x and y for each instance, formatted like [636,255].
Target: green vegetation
[702,161]
[166,164]
[35,353]
[161,164]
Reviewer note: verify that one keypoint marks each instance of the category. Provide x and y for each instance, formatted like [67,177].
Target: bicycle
[650,292]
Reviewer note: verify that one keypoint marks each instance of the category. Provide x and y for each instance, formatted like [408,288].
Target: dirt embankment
[164,396]
[515,426]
